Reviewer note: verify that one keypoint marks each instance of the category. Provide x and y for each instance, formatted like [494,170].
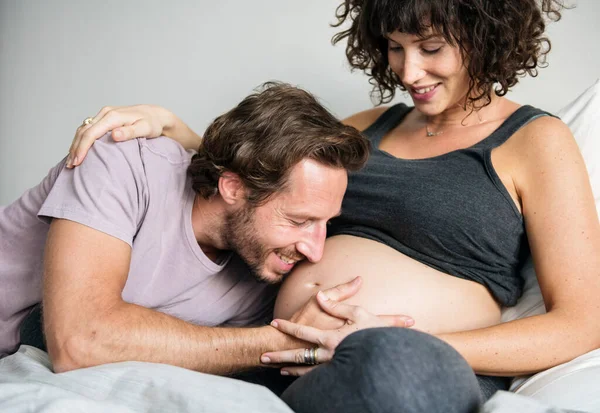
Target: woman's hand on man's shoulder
[125,123]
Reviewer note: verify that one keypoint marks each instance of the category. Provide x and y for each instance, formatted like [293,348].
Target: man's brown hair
[267,134]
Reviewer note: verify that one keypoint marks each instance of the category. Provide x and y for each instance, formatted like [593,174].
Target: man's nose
[313,243]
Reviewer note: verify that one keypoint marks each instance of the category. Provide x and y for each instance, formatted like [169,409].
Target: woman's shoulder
[545,143]
[543,131]
[533,127]
[362,120]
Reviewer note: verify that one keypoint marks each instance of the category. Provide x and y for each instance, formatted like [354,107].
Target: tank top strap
[513,123]
[387,121]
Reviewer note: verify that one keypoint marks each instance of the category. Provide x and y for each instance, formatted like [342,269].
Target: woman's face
[431,70]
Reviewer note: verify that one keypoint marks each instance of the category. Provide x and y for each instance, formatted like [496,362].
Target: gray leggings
[392,370]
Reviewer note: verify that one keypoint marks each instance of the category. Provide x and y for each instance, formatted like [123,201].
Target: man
[131,252]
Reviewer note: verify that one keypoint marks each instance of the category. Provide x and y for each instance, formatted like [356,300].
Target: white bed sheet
[27,385]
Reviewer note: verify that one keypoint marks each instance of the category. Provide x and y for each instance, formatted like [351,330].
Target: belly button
[313,285]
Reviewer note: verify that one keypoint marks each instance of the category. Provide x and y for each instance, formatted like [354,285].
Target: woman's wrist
[169,122]
[176,129]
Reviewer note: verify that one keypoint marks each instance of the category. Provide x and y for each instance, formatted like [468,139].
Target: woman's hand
[312,314]
[356,318]
[125,122]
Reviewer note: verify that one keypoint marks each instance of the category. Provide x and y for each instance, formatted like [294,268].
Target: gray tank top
[450,212]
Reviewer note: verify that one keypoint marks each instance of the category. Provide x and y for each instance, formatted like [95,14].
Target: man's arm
[87,323]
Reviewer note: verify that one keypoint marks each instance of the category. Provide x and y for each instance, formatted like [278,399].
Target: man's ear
[231,188]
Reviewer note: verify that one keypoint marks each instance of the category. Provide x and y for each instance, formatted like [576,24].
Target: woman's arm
[129,122]
[564,236]
[151,121]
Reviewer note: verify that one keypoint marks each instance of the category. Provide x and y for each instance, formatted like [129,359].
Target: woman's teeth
[424,90]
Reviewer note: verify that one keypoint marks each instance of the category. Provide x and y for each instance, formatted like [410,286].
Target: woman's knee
[409,348]
[383,369]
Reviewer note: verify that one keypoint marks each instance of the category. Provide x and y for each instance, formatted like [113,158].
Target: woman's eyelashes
[429,50]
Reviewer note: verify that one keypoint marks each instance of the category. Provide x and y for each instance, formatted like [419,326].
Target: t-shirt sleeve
[107,192]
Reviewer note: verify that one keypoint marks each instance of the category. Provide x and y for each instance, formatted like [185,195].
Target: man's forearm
[134,333]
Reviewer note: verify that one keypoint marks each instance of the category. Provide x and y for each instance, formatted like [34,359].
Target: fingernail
[117,134]
[274,323]
[322,296]
[265,360]
[409,322]
[68,161]
[285,373]
[76,161]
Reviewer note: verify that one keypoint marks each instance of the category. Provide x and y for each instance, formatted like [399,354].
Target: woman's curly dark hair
[503,39]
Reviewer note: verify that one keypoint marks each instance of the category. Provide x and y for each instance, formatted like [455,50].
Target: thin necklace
[430,134]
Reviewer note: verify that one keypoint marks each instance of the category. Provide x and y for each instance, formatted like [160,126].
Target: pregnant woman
[459,189]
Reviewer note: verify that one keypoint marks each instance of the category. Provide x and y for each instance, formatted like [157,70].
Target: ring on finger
[310,356]
[87,121]
[314,354]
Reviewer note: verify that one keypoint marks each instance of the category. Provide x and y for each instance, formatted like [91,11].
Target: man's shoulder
[165,149]
[161,149]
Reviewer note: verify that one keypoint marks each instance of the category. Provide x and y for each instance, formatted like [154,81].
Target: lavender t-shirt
[136,191]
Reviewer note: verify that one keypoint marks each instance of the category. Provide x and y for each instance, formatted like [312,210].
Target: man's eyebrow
[313,218]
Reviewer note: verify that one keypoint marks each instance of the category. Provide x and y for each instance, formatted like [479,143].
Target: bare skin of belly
[392,284]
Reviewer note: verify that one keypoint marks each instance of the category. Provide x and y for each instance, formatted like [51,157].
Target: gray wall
[61,60]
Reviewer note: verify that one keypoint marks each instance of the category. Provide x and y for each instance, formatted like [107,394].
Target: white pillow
[583,118]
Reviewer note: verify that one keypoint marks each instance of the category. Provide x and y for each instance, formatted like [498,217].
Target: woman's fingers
[125,123]
[139,129]
[343,291]
[71,159]
[355,314]
[104,111]
[397,320]
[340,310]
[88,135]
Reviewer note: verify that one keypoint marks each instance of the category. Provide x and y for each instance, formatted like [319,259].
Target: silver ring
[306,356]
[87,121]
[310,356]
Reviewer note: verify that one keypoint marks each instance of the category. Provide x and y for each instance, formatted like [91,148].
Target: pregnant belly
[392,284]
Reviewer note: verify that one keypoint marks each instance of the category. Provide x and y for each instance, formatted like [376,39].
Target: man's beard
[241,237]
